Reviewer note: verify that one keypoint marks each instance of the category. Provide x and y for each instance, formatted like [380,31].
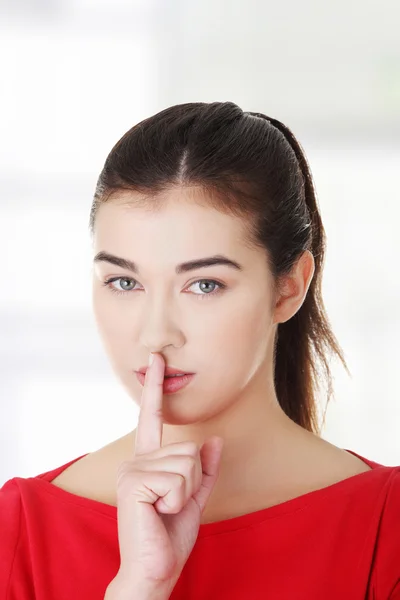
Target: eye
[220,286]
[108,283]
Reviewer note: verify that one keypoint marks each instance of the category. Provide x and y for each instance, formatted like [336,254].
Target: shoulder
[10,521]
[10,505]
[386,575]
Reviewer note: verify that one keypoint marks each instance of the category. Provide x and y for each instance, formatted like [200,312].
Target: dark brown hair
[249,165]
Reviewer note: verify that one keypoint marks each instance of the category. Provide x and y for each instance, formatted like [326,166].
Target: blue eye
[221,286]
[108,283]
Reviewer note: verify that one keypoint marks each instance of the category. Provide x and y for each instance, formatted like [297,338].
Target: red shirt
[341,542]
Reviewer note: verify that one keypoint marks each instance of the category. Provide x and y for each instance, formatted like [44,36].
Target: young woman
[208,257]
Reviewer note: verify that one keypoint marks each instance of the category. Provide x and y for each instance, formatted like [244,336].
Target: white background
[74,77]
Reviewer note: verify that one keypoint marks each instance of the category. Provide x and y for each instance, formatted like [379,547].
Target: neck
[261,442]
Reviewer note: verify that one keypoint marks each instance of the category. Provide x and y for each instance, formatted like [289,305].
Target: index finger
[150,424]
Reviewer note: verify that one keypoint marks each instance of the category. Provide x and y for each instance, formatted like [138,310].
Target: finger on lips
[149,429]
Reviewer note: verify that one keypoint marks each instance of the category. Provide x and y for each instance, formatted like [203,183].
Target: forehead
[179,218]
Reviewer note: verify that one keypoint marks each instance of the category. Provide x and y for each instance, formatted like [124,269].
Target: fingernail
[151,358]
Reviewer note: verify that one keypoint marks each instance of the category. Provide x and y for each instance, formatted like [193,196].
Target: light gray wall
[76,76]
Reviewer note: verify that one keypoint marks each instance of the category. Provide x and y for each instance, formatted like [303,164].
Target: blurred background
[77,74]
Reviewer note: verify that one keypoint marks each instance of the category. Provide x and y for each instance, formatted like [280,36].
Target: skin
[225,338]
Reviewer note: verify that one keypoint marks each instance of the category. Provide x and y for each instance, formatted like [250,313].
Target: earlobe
[309,268]
[287,304]
[284,303]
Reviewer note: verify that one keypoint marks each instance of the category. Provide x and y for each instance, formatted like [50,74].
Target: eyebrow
[191,265]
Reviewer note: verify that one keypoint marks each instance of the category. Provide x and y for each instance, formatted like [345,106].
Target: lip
[170,386]
[167,371]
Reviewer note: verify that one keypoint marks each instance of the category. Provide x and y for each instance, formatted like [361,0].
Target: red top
[338,542]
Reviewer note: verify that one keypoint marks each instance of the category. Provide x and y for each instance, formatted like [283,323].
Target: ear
[293,288]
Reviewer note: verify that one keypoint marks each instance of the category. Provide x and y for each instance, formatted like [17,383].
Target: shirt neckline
[292,505]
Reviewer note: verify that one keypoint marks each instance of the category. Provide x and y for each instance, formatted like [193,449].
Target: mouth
[172,383]
[168,372]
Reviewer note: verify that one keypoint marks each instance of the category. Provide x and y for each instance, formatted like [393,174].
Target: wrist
[120,589]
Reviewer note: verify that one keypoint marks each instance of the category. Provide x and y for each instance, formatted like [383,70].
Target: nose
[160,328]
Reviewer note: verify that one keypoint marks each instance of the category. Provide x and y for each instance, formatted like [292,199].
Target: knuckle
[186,465]
[191,448]
[179,481]
[190,463]
[158,413]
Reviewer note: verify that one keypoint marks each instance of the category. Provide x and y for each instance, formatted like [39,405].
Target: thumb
[210,456]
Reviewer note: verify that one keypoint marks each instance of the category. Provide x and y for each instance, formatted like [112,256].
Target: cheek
[256,331]
[245,343]
[246,327]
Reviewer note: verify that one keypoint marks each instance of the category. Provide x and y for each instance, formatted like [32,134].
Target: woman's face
[213,321]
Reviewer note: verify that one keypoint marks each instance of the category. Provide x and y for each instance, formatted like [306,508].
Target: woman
[225,489]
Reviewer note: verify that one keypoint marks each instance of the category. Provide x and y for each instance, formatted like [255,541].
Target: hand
[161,493]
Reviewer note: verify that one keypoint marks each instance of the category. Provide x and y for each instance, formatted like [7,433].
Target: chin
[177,420]
[180,416]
